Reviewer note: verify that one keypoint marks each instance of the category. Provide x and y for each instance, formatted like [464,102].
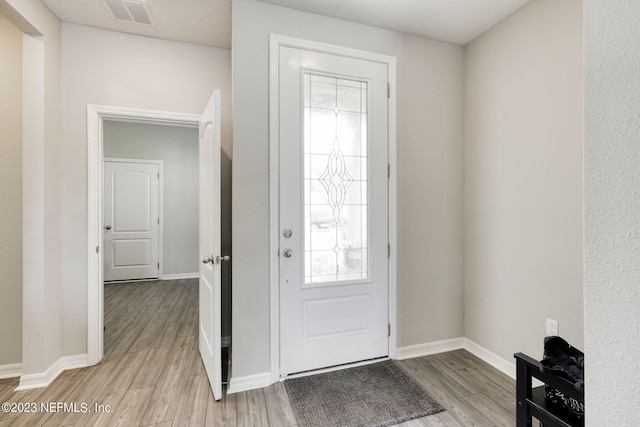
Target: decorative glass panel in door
[335,179]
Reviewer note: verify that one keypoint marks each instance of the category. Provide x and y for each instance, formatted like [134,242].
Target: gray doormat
[379,394]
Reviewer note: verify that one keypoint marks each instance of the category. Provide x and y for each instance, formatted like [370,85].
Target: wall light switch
[552,327]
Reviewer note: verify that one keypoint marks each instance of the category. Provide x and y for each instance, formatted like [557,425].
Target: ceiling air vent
[130,11]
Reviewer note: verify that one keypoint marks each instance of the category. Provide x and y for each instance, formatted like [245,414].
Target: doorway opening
[97,119]
[150,202]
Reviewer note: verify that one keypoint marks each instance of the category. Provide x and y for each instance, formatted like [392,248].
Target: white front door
[333,136]
[131,220]
[210,284]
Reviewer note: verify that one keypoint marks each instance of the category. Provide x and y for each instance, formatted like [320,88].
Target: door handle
[108,227]
[287,253]
[215,259]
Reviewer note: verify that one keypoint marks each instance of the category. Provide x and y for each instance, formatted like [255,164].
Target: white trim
[160,164]
[275,42]
[274,184]
[429,348]
[393,211]
[45,378]
[176,276]
[333,368]
[508,368]
[278,40]
[96,114]
[501,364]
[249,382]
[10,371]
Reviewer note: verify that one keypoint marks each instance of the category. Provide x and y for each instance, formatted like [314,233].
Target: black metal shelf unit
[531,401]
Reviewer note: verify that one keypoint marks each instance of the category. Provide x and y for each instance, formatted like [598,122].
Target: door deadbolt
[287,233]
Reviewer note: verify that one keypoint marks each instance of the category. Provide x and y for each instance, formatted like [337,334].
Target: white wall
[612,213]
[430,97]
[41,279]
[177,147]
[11,193]
[523,179]
[109,68]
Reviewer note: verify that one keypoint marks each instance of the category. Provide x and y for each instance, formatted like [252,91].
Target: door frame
[160,164]
[275,42]
[96,115]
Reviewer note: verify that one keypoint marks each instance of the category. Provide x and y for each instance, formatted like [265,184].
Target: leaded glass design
[335,179]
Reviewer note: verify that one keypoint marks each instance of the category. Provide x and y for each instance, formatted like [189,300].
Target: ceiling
[455,21]
[208,22]
[205,22]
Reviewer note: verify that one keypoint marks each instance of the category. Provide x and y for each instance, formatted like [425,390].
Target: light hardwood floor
[152,375]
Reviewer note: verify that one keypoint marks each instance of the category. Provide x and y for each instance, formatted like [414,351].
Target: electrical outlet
[552,327]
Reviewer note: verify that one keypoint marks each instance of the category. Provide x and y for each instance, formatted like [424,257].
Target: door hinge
[389,250]
[97,249]
[158,220]
[388,170]
[388,90]
[158,266]
[389,329]
[158,175]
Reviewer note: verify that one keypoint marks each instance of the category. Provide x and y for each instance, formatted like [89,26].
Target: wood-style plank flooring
[152,375]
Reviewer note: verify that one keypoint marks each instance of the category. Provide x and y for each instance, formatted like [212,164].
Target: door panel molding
[96,115]
[275,43]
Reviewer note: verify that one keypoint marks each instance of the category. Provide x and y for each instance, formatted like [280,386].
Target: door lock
[287,253]
[215,259]
[287,233]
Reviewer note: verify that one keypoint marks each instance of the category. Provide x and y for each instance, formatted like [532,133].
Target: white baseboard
[45,378]
[249,382]
[10,371]
[505,366]
[429,348]
[501,364]
[180,276]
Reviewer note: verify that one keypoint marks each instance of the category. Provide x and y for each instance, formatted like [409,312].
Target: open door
[210,286]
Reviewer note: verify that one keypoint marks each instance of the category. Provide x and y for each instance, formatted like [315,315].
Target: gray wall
[177,147]
[612,211]
[11,193]
[523,179]
[430,108]
[108,68]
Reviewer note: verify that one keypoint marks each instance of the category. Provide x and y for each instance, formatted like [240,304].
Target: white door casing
[210,278]
[132,219]
[333,209]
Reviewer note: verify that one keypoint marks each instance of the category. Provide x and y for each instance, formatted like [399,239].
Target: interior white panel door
[210,283]
[333,127]
[131,230]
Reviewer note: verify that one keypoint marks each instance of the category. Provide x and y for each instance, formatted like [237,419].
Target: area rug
[379,394]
